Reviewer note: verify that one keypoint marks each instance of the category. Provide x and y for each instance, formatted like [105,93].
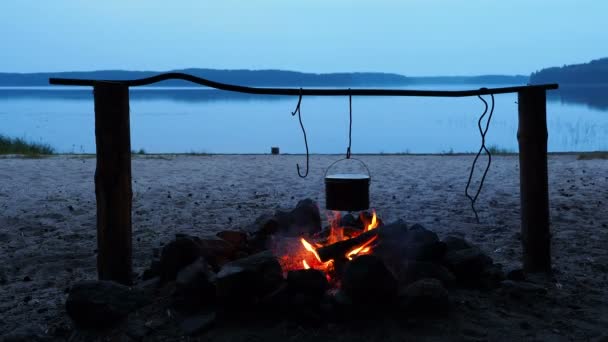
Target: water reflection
[205,120]
[594,96]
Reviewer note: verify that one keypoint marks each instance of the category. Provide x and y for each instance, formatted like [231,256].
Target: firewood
[339,249]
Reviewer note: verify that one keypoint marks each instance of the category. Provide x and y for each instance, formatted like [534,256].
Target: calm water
[204,120]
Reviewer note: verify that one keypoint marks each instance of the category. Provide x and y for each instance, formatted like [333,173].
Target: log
[339,249]
[113,182]
[534,189]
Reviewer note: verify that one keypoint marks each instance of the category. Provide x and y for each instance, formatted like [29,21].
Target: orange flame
[310,248]
[361,249]
[374,223]
[337,233]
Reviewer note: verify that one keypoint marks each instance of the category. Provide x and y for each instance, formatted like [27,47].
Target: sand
[48,232]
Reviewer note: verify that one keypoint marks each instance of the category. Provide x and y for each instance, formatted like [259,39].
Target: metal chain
[299,112]
[350,124]
[483,147]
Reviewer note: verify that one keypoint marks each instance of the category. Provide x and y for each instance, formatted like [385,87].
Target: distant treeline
[263,78]
[594,72]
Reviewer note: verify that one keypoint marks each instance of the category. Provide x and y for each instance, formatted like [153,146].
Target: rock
[217,252]
[455,243]
[397,243]
[277,302]
[176,255]
[366,280]
[195,325]
[194,287]
[153,271]
[25,332]
[421,235]
[467,265]
[267,224]
[136,329]
[245,281]
[516,274]
[236,238]
[3,277]
[411,271]
[522,289]
[349,220]
[311,282]
[102,304]
[258,232]
[426,296]
[305,219]
[492,276]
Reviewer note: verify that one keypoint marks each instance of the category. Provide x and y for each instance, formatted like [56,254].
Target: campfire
[326,241]
[287,263]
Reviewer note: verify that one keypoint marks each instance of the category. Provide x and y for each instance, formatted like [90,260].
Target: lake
[196,119]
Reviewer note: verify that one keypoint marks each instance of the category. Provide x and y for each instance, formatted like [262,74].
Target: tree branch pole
[532,137]
[113,182]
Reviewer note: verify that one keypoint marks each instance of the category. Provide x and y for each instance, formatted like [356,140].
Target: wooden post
[533,178]
[113,182]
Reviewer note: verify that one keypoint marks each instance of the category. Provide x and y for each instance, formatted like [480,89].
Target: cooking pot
[347,191]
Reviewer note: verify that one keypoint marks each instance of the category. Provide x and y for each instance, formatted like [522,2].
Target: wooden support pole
[533,176]
[113,182]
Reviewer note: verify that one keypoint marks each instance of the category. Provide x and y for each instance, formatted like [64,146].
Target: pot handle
[339,160]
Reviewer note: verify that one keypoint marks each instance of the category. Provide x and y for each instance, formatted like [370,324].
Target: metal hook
[350,123]
[297,110]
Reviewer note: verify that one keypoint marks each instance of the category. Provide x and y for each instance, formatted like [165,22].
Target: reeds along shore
[24,147]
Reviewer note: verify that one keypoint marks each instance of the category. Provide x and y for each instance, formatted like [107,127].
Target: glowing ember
[305,264]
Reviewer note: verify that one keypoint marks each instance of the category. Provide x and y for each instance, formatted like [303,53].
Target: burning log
[341,248]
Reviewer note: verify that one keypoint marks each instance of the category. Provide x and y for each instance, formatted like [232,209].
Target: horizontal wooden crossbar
[300,91]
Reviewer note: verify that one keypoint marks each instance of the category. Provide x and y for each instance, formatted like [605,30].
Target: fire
[364,248]
[374,223]
[310,248]
[336,234]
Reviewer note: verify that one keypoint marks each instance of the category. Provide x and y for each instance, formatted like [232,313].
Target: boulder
[258,232]
[153,271]
[237,238]
[516,274]
[311,282]
[194,325]
[411,271]
[455,243]
[305,219]
[102,304]
[217,252]
[194,287]
[467,265]
[396,243]
[245,281]
[425,296]
[366,280]
[176,255]
[522,289]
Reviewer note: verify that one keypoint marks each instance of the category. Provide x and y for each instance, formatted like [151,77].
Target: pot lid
[347,176]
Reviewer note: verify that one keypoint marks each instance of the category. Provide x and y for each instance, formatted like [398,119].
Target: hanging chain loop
[299,112]
[350,123]
[482,132]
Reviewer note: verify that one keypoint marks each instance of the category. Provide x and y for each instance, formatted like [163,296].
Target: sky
[410,37]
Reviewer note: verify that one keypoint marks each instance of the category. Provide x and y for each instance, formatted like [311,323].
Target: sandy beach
[48,231]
